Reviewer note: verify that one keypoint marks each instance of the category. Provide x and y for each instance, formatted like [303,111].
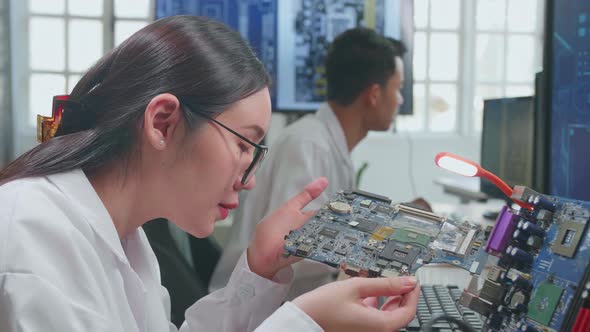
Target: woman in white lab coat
[164,125]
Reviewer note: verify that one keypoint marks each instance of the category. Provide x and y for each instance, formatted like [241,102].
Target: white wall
[389,161]
[387,154]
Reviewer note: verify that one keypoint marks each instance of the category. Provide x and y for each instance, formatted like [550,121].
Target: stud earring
[161,142]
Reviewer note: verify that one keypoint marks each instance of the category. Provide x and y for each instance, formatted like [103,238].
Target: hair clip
[47,126]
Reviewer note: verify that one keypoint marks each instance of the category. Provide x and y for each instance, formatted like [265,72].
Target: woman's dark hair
[203,61]
[358,58]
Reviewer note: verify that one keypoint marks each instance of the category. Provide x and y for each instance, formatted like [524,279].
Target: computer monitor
[567,63]
[507,142]
[292,37]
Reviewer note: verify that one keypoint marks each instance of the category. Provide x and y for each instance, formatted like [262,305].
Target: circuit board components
[364,235]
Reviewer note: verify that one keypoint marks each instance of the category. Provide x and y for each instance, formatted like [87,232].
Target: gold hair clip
[47,126]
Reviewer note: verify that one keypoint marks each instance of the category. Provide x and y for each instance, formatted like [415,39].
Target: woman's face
[206,177]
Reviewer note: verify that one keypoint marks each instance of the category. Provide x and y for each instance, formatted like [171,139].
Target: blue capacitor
[509,250]
[534,241]
[533,229]
[520,236]
[521,256]
[544,203]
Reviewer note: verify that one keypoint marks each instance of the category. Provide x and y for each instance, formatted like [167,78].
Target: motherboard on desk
[536,259]
[541,278]
[362,234]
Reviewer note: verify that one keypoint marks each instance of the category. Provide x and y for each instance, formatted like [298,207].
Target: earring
[161,142]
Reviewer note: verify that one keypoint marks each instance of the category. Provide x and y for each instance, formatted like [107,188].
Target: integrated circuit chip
[407,236]
[328,247]
[395,252]
[385,209]
[568,238]
[365,225]
[329,232]
[544,302]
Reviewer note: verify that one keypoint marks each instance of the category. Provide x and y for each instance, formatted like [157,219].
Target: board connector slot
[419,213]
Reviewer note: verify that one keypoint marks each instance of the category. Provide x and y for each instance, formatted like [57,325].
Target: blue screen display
[291,38]
[570,109]
[256,20]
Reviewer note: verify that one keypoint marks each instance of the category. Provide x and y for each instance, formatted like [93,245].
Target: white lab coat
[312,147]
[63,268]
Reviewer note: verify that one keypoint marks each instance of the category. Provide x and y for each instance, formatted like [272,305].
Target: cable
[410,165]
[463,326]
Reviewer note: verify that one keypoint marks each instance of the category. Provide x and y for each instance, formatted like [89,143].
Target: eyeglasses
[260,151]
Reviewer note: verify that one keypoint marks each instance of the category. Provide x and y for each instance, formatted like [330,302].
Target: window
[64,38]
[466,51]
[507,51]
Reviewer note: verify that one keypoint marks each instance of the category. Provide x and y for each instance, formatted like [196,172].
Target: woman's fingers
[309,193]
[367,287]
[371,302]
[397,312]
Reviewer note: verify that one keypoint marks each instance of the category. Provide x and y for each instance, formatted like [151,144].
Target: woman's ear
[162,119]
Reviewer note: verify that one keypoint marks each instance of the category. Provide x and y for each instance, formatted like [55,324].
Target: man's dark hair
[358,58]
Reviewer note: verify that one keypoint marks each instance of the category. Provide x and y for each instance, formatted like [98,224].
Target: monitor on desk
[567,64]
[507,142]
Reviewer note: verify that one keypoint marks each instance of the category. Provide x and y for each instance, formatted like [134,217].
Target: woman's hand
[265,253]
[349,305]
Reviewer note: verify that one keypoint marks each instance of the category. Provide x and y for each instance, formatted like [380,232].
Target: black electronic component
[544,216]
[533,229]
[503,310]
[544,202]
[373,196]
[534,242]
[366,203]
[476,304]
[492,292]
[381,263]
[342,252]
[304,249]
[398,253]
[516,300]
[365,225]
[374,272]
[352,271]
[518,281]
[494,322]
[396,264]
[496,274]
[382,208]
[329,232]
[519,255]
[351,239]
[520,236]
[328,247]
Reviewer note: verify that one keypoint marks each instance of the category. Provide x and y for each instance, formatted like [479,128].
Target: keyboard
[436,300]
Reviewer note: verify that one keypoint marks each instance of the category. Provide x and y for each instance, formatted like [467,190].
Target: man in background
[364,73]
